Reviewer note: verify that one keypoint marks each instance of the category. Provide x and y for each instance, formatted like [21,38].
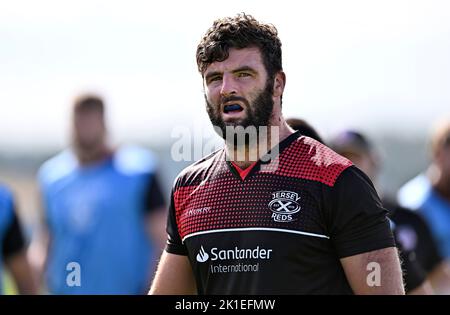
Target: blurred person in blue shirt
[429,194]
[104,212]
[13,246]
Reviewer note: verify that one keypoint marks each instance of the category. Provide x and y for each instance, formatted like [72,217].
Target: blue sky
[377,65]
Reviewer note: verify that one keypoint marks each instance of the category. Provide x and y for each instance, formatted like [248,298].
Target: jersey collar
[266,159]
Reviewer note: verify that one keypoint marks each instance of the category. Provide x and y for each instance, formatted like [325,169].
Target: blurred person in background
[304,127]
[13,246]
[418,251]
[104,214]
[429,194]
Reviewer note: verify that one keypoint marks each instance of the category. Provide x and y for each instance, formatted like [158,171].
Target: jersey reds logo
[283,205]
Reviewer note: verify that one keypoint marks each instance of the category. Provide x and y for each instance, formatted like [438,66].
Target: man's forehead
[237,58]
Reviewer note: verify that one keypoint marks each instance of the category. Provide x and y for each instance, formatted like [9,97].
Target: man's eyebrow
[240,69]
[212,74]
[244,68]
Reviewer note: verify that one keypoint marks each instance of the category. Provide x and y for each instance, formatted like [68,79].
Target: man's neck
[245,155]
[92,156]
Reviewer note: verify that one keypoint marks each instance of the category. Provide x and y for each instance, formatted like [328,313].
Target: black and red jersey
[282,229]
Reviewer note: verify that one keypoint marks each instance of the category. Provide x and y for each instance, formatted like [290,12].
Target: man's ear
[279,83]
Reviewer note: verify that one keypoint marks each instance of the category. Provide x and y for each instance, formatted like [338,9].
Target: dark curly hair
[239,32]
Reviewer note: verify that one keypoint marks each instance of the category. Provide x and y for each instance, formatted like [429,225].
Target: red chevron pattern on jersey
[308,159]
[215,198]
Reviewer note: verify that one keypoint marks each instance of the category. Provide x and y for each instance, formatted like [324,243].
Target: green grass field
[9,287]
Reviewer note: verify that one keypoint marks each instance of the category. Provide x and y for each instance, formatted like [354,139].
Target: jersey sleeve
[174,242]
[154,199]
[13,240]
[358,222]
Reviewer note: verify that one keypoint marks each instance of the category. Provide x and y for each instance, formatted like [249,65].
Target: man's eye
[215,78]
[243,74]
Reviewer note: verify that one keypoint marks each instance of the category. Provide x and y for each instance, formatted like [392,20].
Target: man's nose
[228,85]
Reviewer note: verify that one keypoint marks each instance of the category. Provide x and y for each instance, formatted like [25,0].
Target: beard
[258,113]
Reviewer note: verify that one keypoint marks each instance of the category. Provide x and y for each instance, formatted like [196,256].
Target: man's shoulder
[413,193]
[5,192]
[5,202]
[200,169]
[401,215]
[134,160]
[7,208]
[57,167]
[309,159]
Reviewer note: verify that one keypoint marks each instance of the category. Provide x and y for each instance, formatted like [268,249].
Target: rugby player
[295,219]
